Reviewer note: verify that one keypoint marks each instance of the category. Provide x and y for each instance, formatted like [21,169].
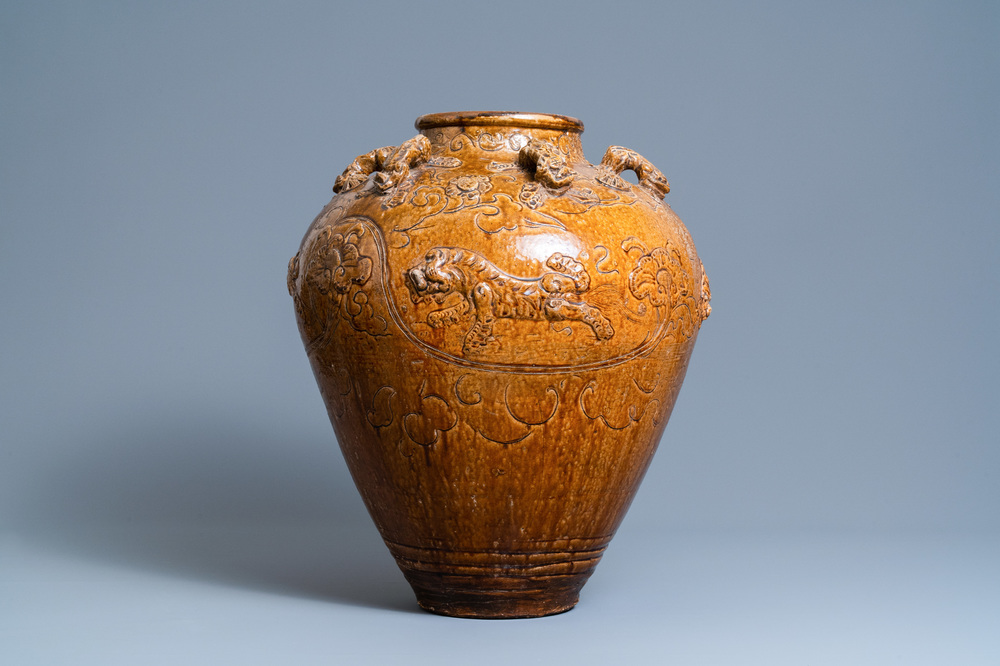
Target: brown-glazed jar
[499,330]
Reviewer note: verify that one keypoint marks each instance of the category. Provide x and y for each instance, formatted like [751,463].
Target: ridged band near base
[483,584]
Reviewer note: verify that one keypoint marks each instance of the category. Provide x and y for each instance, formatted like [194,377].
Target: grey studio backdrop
[836,164]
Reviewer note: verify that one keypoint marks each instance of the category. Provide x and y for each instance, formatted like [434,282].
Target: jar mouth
[500,119]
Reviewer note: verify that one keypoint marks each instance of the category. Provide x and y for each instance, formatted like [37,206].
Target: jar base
[495,597]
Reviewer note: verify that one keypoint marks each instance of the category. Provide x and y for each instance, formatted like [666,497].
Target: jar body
[499,330]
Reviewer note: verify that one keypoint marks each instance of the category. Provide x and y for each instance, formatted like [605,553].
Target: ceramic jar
[499,330]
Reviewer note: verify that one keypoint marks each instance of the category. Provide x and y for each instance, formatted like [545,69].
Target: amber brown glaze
[499,330]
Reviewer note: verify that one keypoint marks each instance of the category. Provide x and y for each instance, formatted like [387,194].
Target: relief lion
[492,294]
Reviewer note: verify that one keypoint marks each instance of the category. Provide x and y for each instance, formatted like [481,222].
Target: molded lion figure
[493,294]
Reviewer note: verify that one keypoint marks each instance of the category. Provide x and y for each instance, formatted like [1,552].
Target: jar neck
[499,135]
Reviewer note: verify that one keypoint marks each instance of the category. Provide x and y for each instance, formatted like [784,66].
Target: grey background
[833,458]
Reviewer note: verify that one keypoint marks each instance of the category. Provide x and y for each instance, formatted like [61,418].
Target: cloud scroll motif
[468,189]
[434,416]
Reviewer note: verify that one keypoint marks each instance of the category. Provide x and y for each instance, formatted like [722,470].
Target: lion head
[433,278]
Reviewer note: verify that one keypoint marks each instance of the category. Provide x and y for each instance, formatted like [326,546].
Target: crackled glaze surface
[499,329]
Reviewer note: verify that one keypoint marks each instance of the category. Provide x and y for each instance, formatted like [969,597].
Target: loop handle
[547,163]
[618,159]
[391,165]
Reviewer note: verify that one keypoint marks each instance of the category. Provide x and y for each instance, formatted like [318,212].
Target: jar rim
[499,119]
